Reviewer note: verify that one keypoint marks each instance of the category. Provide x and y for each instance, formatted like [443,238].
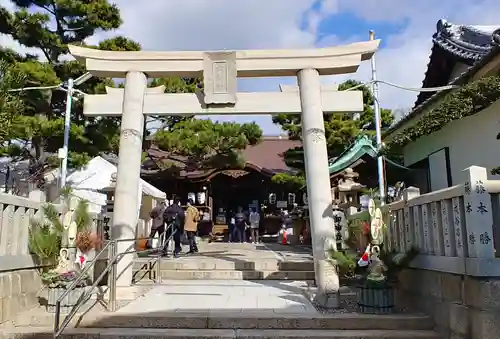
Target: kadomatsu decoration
[376,293]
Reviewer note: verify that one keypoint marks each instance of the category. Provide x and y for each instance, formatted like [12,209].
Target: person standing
[254,219]
[174,218]
[287,222]
[230,225]
[157,224]
[240,225]
[191,226]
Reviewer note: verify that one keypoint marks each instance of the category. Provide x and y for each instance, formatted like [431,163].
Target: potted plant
[61,241]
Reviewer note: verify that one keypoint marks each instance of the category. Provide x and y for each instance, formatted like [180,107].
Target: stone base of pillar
[328,285]
[127,293]
[327,301]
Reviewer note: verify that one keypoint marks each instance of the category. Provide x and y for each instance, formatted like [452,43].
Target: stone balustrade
[455,278]
[19,278]
[20,283]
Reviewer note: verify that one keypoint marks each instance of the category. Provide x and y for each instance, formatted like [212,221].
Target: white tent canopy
[96,175]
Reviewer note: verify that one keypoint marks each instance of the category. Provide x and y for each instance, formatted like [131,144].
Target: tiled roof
[463,41]
[453,44]
[266,156]
[462,79]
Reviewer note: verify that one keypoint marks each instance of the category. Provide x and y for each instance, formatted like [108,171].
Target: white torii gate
[220,71]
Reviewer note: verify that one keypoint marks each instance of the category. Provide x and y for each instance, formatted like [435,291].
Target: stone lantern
[345,200]
[346,194]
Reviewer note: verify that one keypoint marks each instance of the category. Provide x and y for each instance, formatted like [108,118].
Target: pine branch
[82,216]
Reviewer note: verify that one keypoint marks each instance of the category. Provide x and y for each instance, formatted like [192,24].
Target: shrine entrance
[236,188]
[220,71]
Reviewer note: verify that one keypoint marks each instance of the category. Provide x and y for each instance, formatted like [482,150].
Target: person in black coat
[174,217]
[240,225]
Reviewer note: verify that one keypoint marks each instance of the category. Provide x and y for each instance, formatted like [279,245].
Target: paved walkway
[287,252]
[240,255]
[216,296]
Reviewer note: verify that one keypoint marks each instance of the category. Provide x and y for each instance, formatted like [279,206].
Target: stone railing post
[478,214]
[409,235]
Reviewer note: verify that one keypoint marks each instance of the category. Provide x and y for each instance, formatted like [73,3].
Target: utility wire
[412,89]
[42,88]
[35,88]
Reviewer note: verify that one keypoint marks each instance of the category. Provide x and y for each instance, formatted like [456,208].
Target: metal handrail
[110,268]
[83,272]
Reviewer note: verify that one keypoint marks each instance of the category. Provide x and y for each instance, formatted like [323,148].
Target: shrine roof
[425,100]
[266,157]
[268,154]
[361,148]
[454,44]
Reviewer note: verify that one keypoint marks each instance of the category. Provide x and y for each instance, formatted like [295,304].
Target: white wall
[471,141]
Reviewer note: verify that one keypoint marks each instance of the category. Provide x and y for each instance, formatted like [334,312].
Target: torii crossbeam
[158,103]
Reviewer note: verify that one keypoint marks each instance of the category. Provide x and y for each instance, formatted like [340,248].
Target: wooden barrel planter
[68,302]
[375,299]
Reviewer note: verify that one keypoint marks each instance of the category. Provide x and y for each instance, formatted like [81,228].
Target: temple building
[219,192]
[452,130]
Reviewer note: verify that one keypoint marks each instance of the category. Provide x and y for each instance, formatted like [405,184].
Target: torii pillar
[125,216]
[220,70]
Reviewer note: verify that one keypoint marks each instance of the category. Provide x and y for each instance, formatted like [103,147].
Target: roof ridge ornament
[495,39]
[442,25]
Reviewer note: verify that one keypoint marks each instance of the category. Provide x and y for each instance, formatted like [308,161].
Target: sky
[405,28]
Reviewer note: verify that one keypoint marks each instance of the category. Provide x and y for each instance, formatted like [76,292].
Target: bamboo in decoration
[68,302]
[375,299]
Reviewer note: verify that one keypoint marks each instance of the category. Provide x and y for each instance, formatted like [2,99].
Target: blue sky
[404,26]
[343,27]
[348,26]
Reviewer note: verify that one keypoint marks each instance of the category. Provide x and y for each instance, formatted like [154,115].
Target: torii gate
[220,71]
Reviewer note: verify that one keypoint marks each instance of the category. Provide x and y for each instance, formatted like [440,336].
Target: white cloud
[7,41]
[219,24]
[233,24]
[404,60]
[243,24]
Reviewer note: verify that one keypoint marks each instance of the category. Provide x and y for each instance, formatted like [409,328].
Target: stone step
[197,263]
[234,320]
[228,275]
[260,320]
[133,333]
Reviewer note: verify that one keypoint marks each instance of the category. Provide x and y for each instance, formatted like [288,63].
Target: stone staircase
[210,268]
[223,293]
[225,325]
[222,261]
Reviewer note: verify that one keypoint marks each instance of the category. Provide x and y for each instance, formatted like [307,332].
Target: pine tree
[340,130]
[49,26]
[11,105]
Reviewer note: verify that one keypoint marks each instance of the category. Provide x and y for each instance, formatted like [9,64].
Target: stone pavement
[223,296]
[253,251]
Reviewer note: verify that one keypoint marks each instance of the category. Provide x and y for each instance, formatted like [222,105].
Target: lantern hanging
[201,197]
[272,198]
